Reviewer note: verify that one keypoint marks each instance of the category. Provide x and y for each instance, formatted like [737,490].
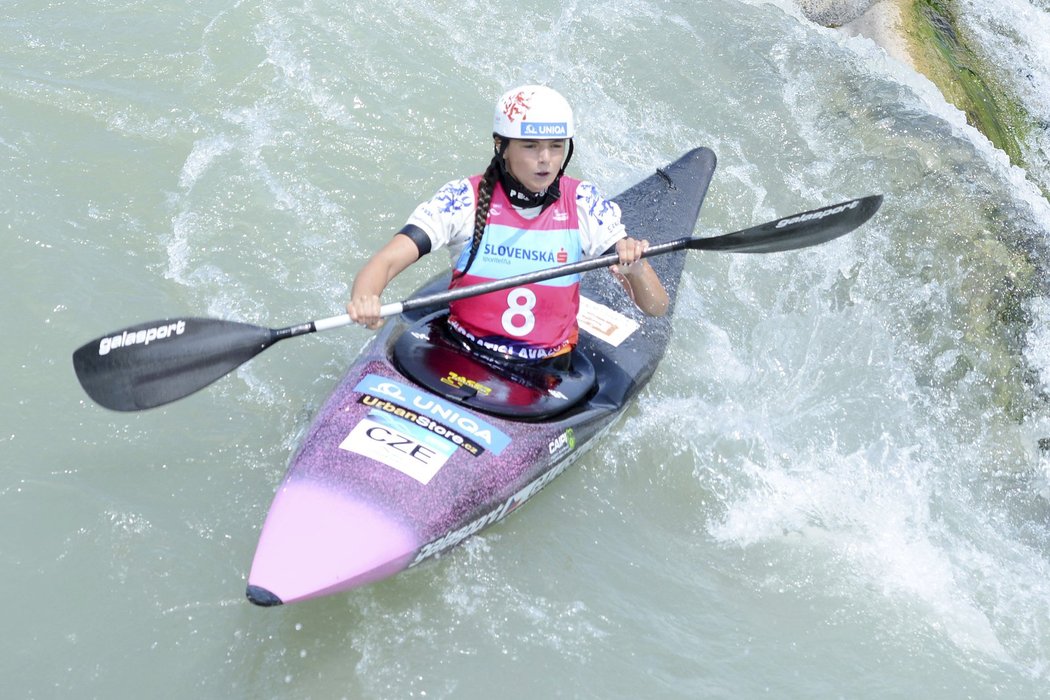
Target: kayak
[428,440]
[423,444]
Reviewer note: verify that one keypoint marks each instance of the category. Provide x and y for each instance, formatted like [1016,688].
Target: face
[535,163]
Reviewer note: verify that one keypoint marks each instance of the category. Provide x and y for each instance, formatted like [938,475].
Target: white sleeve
[447,218]
[600,225]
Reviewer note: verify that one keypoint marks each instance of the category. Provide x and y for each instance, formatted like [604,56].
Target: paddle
[155,363]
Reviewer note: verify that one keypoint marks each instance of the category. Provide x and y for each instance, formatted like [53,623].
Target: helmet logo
[533,112]
[516,106]
[544,129]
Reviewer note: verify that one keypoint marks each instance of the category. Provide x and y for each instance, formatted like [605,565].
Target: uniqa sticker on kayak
[462,422]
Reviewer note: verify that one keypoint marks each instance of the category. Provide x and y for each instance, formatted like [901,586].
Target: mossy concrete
[1005,274]
[941,53]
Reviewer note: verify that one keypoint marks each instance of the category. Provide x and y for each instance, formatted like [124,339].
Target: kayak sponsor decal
[562,445]
[506,508]
[458,381]
[410,449]
[425,422]
[605,323]
[467,424]
[142,337]
[817,215]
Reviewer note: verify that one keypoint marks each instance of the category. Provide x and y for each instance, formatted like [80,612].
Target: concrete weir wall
[926,35]
[929,36]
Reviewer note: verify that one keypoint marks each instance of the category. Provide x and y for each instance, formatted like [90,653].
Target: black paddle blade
[155,363]
[796,231]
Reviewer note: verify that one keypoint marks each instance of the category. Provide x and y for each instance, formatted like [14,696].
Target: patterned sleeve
[447,218]
[600,225]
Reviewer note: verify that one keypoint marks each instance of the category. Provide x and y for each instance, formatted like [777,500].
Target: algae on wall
[941,53]
[1006,271]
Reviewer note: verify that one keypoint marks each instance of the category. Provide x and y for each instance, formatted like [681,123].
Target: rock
[882,24]
[833,13]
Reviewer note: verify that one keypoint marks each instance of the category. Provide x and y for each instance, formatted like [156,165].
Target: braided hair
[481,216]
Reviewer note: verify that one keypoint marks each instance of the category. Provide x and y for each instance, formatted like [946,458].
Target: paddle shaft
[443,298]
[156,363]
[789,233]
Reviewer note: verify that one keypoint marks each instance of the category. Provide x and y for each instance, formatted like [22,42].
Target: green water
[832,488]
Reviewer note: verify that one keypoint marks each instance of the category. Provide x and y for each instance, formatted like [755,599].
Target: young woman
[522,214]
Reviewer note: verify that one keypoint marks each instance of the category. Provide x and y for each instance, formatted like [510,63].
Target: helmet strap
[517,193]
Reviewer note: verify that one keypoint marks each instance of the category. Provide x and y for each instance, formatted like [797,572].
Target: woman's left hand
[630,251]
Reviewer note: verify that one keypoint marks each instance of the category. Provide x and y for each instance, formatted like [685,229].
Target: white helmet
[533,112]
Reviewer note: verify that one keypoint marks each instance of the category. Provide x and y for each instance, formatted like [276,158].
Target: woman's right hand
[364,309]
[387,263]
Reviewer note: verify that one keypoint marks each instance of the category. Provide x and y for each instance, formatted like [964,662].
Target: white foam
[205,152]
[869,516]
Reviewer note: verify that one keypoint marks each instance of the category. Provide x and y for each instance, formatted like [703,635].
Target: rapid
[837,484]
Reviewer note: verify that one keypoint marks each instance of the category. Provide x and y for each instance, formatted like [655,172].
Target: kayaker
[522,214]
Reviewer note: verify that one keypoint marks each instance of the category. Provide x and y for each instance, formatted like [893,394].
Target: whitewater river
[833,487]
